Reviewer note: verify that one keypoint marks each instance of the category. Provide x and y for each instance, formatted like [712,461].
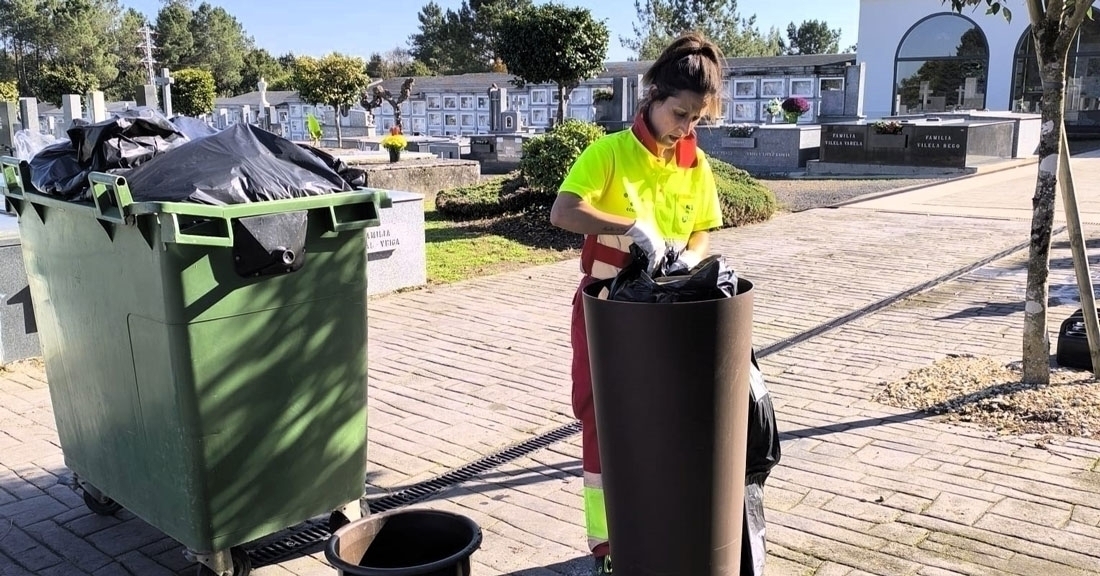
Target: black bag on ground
[709,280]
[238,165]
[193,128]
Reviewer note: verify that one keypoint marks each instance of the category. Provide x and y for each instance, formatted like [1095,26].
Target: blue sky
[317,27]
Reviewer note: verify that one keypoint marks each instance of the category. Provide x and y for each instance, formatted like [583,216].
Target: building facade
[460,105]
[922,57]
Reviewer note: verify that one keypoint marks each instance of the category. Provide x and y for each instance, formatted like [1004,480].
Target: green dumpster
[206,364]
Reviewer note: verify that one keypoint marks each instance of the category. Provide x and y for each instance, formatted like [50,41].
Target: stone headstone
[853,89]
[28,114]
[71,109]
[97,106]
[9,125]
[246,114]
[832,103]
[165,81]
[146,96]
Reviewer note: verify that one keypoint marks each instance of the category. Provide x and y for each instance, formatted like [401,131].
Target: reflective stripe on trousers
[595,514]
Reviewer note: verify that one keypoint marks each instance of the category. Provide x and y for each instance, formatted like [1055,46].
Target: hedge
[744,199]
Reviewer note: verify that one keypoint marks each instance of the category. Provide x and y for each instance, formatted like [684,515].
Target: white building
[459,105]
[920,56]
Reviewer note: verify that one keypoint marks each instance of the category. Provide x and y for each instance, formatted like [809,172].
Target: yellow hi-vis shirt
[621,174]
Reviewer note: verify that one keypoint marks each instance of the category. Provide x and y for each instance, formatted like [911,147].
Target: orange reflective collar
[685,147]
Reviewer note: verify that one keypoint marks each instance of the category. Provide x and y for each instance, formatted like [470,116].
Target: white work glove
[684,262]
[649,240]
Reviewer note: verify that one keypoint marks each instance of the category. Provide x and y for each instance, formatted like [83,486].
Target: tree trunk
[339,130]
[1036,345]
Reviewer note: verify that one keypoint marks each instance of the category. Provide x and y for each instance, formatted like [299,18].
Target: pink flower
[796,105]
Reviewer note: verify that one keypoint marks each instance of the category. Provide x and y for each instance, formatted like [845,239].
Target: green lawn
[462,250]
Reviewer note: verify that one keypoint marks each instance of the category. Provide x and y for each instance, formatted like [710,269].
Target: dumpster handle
[107,187]
[355,216]
[223,238]
[12,180]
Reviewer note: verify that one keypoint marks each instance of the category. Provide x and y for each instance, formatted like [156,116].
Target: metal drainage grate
[424,490]
[314,532]
[303,537]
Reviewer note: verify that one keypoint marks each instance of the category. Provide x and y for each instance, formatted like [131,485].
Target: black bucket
[406,543]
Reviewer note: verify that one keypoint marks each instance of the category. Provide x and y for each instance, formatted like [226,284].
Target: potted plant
[740,136]
[887,134]
[793,108]
[395,142]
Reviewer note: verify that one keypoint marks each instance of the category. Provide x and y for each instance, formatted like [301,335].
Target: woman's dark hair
[690,63]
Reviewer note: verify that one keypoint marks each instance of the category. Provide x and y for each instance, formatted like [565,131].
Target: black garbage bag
[193,128]
[237,165]
[708,280]
[355,177]
[126,140]
[55,171]
[762,453]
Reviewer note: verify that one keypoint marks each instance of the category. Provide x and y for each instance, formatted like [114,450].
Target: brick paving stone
[25,550]
[958,508]
[125,536]
[68,546]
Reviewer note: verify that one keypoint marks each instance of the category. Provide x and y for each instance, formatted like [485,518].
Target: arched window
[1082,106]
[942,65]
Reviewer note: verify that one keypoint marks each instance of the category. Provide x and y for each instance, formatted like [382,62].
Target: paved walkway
[466,369]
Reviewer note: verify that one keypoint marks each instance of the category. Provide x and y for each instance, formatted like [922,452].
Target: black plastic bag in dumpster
[55,171]
[237,165]
[355,177]
[709,280]
[126,140]
[761,455]
[193,128]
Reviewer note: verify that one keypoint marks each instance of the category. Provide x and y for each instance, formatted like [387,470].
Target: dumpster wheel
[105,507]
[242,565]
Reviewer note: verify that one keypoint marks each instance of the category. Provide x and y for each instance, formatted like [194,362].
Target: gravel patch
[798,194]
[982,391]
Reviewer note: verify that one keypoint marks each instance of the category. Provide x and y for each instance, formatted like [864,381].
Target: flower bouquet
[774,107]
[395,142]
[793,108]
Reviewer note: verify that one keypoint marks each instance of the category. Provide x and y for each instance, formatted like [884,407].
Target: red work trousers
[584,410]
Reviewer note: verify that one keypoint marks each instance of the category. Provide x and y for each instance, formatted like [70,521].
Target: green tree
[174,40]
[391,64]
[812,37]
[462,40]
[193,92]
[532,45]
[335,80]
[57,80]
[9,91]
[258,63]
[660,21]
[125,44]
[1053,28]
[219,45]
